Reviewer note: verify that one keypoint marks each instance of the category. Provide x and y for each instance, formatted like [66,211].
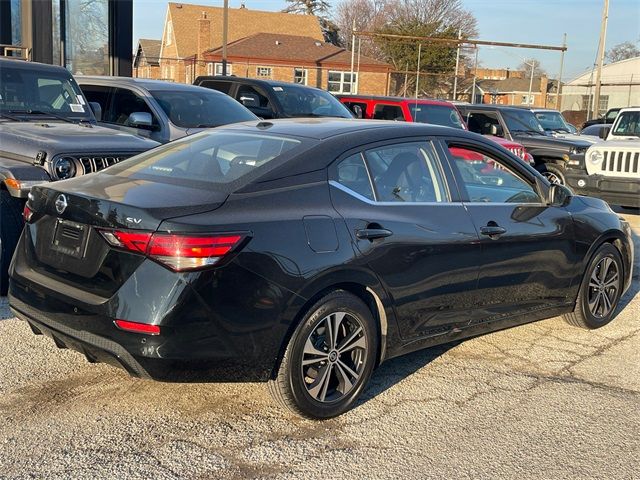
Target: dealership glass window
[300,75]
[16,22]
[342,82]
[87,37]
[264,72]
[486,179]
[406,172]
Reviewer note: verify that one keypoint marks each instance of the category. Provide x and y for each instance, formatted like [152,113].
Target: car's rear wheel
[554,174]
[10,227]
[329,359]
[600,290]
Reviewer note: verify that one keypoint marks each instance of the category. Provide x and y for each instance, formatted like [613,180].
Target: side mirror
[250,100]
[140,119]
[558,195]
[496,130]
[572,128]
[96,109]
[603,133]
[357,111]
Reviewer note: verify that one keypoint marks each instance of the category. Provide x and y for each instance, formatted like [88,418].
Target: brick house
[190,30]
[515,91]
[146,62]
[300,59]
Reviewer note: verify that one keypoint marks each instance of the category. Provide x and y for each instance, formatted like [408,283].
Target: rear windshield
[200,109]
[436,115]
[217,157]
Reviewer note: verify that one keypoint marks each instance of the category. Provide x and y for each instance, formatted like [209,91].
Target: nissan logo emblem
[61,203]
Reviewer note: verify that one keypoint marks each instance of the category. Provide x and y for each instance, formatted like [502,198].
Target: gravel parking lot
[540,401]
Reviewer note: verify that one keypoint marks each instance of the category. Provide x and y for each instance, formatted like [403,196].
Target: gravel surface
[543,400]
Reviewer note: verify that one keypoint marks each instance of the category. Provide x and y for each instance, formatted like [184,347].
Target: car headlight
[577,150]
[596,157]
[64,167]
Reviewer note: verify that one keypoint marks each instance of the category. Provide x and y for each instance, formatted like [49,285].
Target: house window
[169,37]
[216,69]
[603,105]
[342,82]
[264,72]
[300,75]
[527,99]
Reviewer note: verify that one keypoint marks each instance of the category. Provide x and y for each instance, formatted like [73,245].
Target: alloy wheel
[603,287]
[334,357]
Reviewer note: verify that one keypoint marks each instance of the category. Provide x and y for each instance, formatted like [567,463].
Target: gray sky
[525,21]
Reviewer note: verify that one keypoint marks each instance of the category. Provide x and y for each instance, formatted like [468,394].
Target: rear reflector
[138,327]
[178,252]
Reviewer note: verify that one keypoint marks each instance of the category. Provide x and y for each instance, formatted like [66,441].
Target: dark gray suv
[47,132]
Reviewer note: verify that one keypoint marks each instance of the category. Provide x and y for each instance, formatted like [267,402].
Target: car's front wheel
[329,359]
[600,290]
[554,174]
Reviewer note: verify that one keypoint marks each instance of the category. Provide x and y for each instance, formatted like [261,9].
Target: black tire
[553,172]
[583,315]
[295,384]
[10,228]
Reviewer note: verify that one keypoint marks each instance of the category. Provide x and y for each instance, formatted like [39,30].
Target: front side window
[407,172]
[388,112]
[486,179]
[628,124]
[125,102]
[342,82]
[484,123]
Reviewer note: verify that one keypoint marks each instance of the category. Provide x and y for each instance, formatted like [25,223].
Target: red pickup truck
[436,112]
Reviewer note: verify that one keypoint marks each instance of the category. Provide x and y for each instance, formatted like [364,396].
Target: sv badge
[135,221]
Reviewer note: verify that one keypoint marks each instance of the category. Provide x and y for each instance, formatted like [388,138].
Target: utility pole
[475,77]
[353,53]
[455,78]
[533,66]
[225,32]
[418,69]
[603,40]
[559,87]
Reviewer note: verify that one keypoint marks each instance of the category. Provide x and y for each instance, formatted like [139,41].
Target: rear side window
[352,173]
[436,115]
[218,157]
[388,112]
[483,123]
[224,87]
[407,172]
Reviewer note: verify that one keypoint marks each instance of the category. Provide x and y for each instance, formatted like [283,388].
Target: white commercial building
[620,87]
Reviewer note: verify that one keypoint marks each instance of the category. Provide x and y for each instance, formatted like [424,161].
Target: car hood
[28,138]
[543,141]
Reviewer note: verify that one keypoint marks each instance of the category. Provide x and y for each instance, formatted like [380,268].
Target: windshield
[25,91]
[201,109]
[628,124]
[522,121]
[436,115]
[309,102]
[211,157]
[553,122]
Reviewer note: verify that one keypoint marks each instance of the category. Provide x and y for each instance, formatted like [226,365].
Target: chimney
[204,35]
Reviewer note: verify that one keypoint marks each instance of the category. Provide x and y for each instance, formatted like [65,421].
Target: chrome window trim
[356,195]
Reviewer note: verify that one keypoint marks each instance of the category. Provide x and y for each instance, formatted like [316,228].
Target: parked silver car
[162,111]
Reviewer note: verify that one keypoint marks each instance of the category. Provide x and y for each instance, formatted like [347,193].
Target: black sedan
[303,253]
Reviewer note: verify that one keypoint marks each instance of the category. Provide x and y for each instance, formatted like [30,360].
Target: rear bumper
[615,190]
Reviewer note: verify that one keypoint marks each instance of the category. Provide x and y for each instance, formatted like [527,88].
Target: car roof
[255,81]
[484,106]
[25,65]
[421,101]
[139,82]
[324,128]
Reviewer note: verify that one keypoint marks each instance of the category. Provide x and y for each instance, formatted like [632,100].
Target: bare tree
[319,8]
[622,51]
[366,15]
[525,66]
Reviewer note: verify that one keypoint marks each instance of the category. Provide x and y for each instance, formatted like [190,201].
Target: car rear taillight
[178,252]
[137,327]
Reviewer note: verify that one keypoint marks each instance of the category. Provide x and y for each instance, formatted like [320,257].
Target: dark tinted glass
[200,109]
[352,173]
[436,115]
[309,102]
[522,121]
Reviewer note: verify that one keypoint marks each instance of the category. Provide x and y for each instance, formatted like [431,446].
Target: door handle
[493,231]
[373,233]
